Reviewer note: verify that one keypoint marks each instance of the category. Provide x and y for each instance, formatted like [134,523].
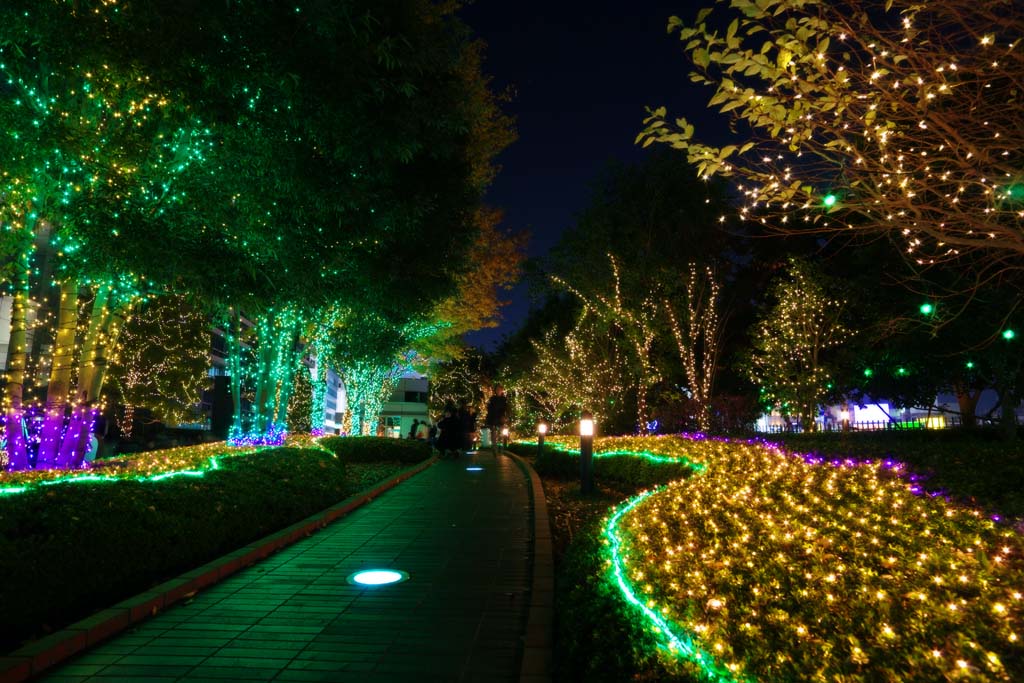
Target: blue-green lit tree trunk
[367,389]
[270,376]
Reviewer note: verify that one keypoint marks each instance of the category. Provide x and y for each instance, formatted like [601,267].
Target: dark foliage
[375,449]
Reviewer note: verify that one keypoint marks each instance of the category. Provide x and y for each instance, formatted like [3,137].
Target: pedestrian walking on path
[497,414]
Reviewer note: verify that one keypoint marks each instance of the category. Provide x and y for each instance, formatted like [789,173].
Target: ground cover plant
[769,566]
[978,466]
[74,546]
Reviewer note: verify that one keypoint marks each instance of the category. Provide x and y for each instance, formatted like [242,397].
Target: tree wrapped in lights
[89,145]
[632,323]
[789,360]
[163,361]
[578,370]
[697,335]
[874,116]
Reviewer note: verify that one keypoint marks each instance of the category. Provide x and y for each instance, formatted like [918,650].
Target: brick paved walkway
[464,539]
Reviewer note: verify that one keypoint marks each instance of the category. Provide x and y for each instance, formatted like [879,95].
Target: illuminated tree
[163,362]
[301,412]
[789,358]
[463,378]
[634,325]
[88,143]
[697,333]
[872,116]
[339,161]
[579,370]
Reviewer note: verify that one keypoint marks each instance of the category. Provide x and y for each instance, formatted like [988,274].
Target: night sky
[581,75]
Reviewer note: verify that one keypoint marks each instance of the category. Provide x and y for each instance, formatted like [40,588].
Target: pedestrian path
[462,535]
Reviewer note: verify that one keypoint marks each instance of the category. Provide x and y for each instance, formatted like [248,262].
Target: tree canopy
[880,116]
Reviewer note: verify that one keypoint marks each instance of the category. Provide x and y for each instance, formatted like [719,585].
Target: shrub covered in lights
[622,464]
[767,566]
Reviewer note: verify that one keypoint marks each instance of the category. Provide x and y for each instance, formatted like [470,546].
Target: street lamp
[542,429]
[504,437]
[586,452]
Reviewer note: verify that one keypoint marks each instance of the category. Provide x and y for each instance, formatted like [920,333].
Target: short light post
[542,429]
[504,437]
[844,419]
[586,452]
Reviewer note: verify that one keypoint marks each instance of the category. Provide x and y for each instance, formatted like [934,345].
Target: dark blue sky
[581,75]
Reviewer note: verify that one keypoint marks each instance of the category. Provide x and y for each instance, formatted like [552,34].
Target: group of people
[456,431]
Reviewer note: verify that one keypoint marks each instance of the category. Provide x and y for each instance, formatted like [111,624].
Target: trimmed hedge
[621,469]
[375,449]
[69,549]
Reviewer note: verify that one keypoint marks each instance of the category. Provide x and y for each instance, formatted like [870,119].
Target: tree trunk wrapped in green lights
[268,371]
[367,386]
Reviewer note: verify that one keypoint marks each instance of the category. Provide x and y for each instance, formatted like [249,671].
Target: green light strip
[679,643]
[214,464]
[646,455]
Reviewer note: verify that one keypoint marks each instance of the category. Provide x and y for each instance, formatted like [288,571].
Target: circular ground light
[377,577]
[474,469]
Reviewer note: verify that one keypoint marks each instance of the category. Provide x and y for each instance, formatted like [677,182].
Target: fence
[924,422]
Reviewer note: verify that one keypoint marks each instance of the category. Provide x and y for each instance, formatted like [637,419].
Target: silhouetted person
[497,414]
[412,430]
[451,435]
[467,425]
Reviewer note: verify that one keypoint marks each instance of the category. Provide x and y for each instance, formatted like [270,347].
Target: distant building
[408,402]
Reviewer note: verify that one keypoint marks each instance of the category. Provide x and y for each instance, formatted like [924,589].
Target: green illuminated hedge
[375,449]
[67,550]
[621,469]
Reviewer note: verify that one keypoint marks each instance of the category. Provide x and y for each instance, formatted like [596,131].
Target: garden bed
[70,546]
[862,551]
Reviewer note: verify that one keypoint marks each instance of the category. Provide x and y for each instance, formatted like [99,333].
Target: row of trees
[280,164]
[882,140]
[712,325]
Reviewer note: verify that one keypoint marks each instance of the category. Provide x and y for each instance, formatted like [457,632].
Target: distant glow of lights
[377,577]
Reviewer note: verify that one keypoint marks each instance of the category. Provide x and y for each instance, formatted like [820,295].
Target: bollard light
[586,452]
[542,429]
[844,418]
[504,437]
[586,424]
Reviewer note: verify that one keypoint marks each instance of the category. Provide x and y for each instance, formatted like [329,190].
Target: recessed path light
[474,468]
[377,577]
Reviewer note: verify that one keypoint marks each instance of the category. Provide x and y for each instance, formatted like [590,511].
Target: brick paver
[464,537]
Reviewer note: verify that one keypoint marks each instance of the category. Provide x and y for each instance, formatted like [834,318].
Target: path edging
[37,656]
[537,648]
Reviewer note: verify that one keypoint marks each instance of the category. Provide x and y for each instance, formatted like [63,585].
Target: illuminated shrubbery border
[182,461]
[771,566]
